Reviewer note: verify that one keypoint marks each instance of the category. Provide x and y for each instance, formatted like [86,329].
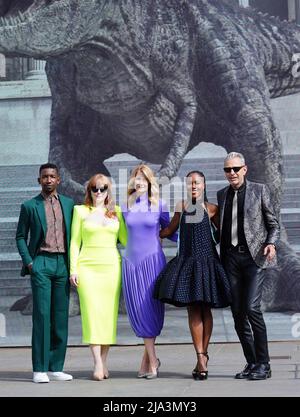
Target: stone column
[2,66]
[36,70]
[244,3]
[292,9]
[297,10]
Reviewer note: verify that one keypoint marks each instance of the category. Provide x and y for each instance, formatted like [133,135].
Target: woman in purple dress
[143,260]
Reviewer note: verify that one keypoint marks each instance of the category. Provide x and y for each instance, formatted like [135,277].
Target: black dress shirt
[227,219]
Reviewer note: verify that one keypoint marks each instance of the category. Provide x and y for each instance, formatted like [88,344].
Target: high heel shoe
[201,353]
[200,375]
[153,375]
[98,377]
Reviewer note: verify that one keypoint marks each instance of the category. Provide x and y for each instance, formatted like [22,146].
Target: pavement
[174,381]
[176,352]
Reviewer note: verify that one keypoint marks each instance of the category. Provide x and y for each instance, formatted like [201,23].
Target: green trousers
[50,291]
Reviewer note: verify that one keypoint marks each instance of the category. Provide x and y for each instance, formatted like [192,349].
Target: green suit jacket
[32,220]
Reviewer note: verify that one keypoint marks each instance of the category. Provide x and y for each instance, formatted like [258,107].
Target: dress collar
[142,198]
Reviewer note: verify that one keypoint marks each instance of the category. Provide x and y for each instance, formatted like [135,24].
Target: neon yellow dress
[94,257]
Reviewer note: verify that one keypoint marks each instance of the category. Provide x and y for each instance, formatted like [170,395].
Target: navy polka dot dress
[195,275]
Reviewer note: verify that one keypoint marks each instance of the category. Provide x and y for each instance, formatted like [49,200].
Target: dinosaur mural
[155,78]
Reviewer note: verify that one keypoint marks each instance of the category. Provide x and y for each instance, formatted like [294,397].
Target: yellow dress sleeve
[76,239]
[122,235]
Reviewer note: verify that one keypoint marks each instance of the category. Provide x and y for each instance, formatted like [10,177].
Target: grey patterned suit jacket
[260,223]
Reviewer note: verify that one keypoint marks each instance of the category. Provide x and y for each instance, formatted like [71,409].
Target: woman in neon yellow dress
[95,266]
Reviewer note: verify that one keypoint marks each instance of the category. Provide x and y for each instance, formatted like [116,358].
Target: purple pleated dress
[141,264]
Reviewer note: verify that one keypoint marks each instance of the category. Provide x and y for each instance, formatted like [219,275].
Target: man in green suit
[47,219]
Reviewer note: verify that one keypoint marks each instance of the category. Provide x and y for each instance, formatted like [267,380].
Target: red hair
[108,202]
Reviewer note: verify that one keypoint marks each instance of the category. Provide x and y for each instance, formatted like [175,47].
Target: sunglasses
[234,169]
[102,190]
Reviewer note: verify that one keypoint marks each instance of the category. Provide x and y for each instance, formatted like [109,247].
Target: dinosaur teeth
[11,21]
[7,22]
[21,16]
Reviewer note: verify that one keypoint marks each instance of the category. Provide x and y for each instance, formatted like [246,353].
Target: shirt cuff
[273,244]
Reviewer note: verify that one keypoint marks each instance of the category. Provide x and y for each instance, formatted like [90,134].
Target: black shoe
[245,372]
[260,371]
[200,375]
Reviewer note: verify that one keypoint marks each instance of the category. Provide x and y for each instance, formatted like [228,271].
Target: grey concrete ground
[174,379]
[174,350]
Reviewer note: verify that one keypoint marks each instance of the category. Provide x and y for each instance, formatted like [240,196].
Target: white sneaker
[60,376]
[39,377]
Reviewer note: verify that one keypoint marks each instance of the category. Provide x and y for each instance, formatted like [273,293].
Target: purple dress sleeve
[164,220]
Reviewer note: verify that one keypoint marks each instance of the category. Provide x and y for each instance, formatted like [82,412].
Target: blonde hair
[108,202]
[153,189]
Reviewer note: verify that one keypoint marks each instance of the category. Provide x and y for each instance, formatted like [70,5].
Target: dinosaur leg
[62,107]
[258,139]
[182,134]
[74,133]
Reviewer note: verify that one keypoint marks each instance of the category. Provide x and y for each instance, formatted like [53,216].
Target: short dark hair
[48,165]
[200,173]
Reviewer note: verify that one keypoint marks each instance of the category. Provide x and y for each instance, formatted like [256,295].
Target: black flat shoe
[260,371]
[245,373]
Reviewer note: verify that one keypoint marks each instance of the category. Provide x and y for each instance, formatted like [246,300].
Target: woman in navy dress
[195,277]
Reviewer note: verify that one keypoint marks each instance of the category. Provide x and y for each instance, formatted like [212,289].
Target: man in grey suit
[249,231]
